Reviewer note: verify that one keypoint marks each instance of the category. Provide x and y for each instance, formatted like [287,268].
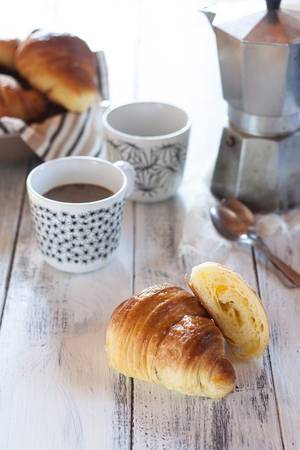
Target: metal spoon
[238,225]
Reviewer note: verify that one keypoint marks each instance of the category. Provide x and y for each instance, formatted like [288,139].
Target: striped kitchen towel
[66,133]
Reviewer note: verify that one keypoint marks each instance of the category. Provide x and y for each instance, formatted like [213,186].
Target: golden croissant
[8,48]
[61,66]
[163,335]
[234,306]
[16,101]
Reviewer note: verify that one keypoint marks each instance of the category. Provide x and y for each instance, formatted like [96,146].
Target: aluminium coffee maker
[259,155]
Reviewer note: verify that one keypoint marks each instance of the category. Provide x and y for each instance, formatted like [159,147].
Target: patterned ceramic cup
[153,137]
[79,237]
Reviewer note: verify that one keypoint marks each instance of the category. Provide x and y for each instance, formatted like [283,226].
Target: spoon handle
[285,269]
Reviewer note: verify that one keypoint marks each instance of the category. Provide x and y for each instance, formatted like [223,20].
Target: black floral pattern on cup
[78,238]
[157,170]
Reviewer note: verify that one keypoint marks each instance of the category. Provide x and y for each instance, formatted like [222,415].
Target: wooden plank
[12,189]
[246,419]
[183,51]
[56,391]
[283,309]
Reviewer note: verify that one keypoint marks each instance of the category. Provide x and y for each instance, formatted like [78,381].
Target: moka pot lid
[271,26]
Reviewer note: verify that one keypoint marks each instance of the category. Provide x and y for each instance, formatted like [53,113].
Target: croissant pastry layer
[163,335]
[234,306]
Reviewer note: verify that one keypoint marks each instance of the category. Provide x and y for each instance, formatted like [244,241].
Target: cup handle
[129,171]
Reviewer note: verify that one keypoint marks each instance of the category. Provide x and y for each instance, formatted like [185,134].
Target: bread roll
[234,306]
[15,101]
[163,335]
[61,66]
[8,50]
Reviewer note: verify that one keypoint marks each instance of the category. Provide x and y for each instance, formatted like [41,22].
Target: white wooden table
[56,390]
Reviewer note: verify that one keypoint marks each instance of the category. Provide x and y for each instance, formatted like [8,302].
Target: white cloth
[203,242]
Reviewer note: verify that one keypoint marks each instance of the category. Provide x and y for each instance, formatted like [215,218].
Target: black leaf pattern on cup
[157,169]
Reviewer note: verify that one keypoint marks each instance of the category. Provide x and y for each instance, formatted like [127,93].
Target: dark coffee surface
[78,193]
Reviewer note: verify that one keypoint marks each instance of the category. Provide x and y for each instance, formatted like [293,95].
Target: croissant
[164,336]
[8,48]
[234,306]
[61,66]
[15,101]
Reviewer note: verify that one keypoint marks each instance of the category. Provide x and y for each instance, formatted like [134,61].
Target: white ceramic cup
[153,137]
[79,237]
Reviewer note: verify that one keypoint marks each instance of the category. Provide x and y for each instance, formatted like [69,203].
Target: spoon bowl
[244,214]
[228,224]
